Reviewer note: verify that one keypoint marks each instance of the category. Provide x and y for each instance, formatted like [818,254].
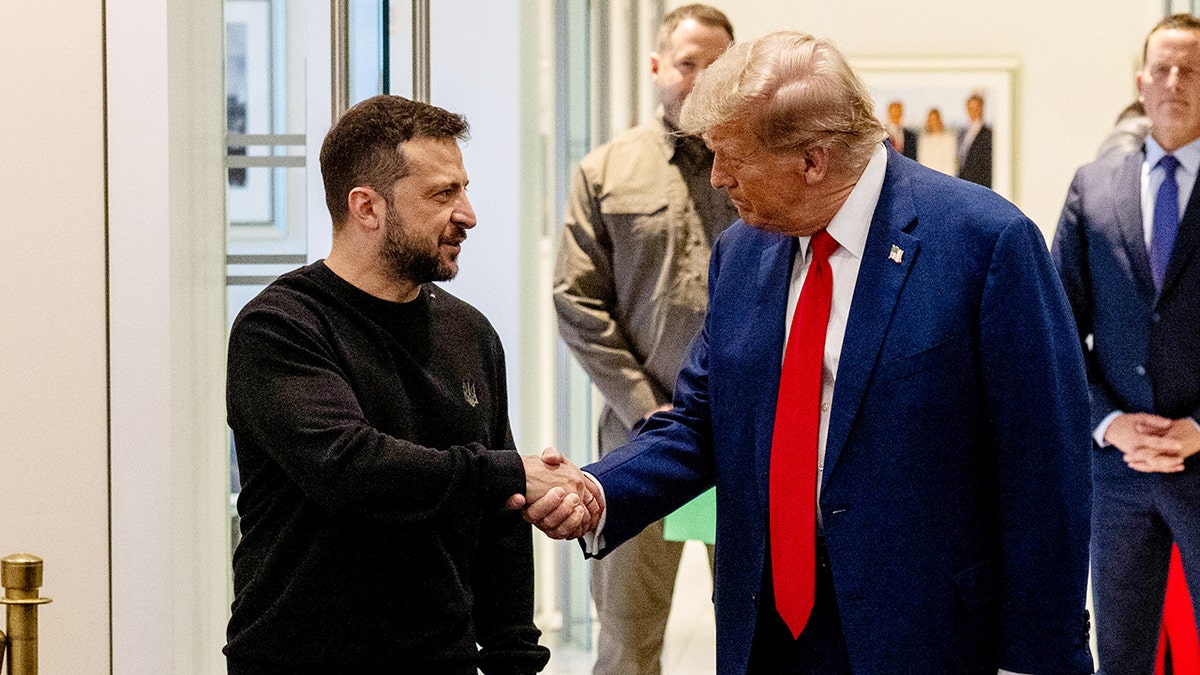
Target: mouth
[455,243]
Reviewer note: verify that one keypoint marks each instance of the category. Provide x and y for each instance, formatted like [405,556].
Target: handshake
[559,499]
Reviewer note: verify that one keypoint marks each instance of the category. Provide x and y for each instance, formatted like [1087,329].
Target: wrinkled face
[429,214]
[693,47]
[766,186]
[1169,86]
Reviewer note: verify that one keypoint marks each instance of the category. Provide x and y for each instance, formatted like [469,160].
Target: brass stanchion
[21,576]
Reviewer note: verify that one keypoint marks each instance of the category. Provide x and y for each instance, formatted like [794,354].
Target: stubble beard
[405,259]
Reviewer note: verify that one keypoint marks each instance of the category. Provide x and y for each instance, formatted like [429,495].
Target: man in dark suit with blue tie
[1128,249]
[904,491]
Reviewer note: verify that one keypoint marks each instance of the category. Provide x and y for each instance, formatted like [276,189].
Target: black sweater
[375,456]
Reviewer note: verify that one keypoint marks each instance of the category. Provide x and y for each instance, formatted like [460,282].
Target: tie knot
[1169,164]
[823,245]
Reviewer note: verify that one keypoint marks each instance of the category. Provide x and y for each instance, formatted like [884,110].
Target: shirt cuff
[593,542]
[1102,428]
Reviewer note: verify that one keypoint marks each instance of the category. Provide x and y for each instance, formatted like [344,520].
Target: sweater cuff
[506,475]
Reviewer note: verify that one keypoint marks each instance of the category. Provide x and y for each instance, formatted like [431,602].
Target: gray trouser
[632,587]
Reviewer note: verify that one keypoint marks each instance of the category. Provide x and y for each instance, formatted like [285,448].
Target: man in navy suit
[949,409]
[975,145]
[903,139]
[1128,249]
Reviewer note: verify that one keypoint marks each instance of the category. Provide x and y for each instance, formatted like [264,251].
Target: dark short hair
[364,147]
[1176,22]
[709,16]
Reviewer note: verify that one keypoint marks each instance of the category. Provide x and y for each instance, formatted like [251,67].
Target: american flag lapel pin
[897,254]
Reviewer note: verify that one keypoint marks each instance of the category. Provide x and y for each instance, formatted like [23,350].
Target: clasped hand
[1154,444]
[559,500]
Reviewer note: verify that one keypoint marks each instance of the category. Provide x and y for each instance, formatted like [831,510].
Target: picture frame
[248,71]
[923,85]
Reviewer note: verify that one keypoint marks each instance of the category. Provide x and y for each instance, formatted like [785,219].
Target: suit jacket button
[1156,317]
[1141,370]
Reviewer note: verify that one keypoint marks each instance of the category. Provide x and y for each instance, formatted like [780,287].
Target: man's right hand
[1143,439]
[558,499]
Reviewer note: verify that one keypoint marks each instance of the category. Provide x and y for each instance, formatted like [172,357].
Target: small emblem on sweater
[469,393]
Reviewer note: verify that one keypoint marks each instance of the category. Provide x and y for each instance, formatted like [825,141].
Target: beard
[407,258]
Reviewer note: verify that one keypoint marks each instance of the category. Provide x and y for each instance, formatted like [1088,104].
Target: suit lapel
[880,279]
[1129,221]
[774,276]
[1187,239]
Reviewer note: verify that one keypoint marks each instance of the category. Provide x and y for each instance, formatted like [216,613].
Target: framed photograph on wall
[248,109]
[954,115]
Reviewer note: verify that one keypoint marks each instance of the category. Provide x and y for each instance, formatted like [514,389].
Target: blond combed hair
[793,91]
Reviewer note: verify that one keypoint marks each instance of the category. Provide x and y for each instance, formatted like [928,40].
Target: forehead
[692,36]
[434,159]
[1173,44]
[732,139]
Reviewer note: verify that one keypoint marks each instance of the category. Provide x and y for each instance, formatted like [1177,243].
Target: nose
[464,215]
[720,178]
[1172,77]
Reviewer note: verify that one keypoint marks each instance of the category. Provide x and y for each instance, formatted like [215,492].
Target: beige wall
[53,439]
[153,320]
[1076,60]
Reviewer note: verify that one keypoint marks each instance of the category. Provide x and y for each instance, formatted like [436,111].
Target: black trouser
[821,647]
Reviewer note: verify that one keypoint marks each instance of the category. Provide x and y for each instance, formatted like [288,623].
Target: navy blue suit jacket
[955,496]
[1145,351]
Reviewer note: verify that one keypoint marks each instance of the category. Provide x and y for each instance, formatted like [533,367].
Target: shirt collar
[851,223]
[1188,155]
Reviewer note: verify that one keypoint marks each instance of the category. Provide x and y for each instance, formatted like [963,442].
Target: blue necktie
[1166,221]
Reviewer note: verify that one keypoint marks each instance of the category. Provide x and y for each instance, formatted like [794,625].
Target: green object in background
[695,520]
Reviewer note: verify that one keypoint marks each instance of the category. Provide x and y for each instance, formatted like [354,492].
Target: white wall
[169,467]
[53,438]
[475,69]
[1076,60]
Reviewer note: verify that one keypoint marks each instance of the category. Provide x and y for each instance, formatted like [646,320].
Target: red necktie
[793,477]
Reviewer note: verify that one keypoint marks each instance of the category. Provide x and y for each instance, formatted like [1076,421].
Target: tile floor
[690,647]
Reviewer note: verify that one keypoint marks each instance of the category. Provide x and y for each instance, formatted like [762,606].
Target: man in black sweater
[369,413]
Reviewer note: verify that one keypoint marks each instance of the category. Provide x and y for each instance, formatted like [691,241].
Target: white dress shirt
[849,229]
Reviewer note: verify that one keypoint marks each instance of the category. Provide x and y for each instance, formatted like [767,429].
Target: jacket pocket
[924,360]
[641,215]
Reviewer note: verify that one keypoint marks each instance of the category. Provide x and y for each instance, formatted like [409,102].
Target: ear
[1141,94]
[367,208]
[814,164]
[653,66]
